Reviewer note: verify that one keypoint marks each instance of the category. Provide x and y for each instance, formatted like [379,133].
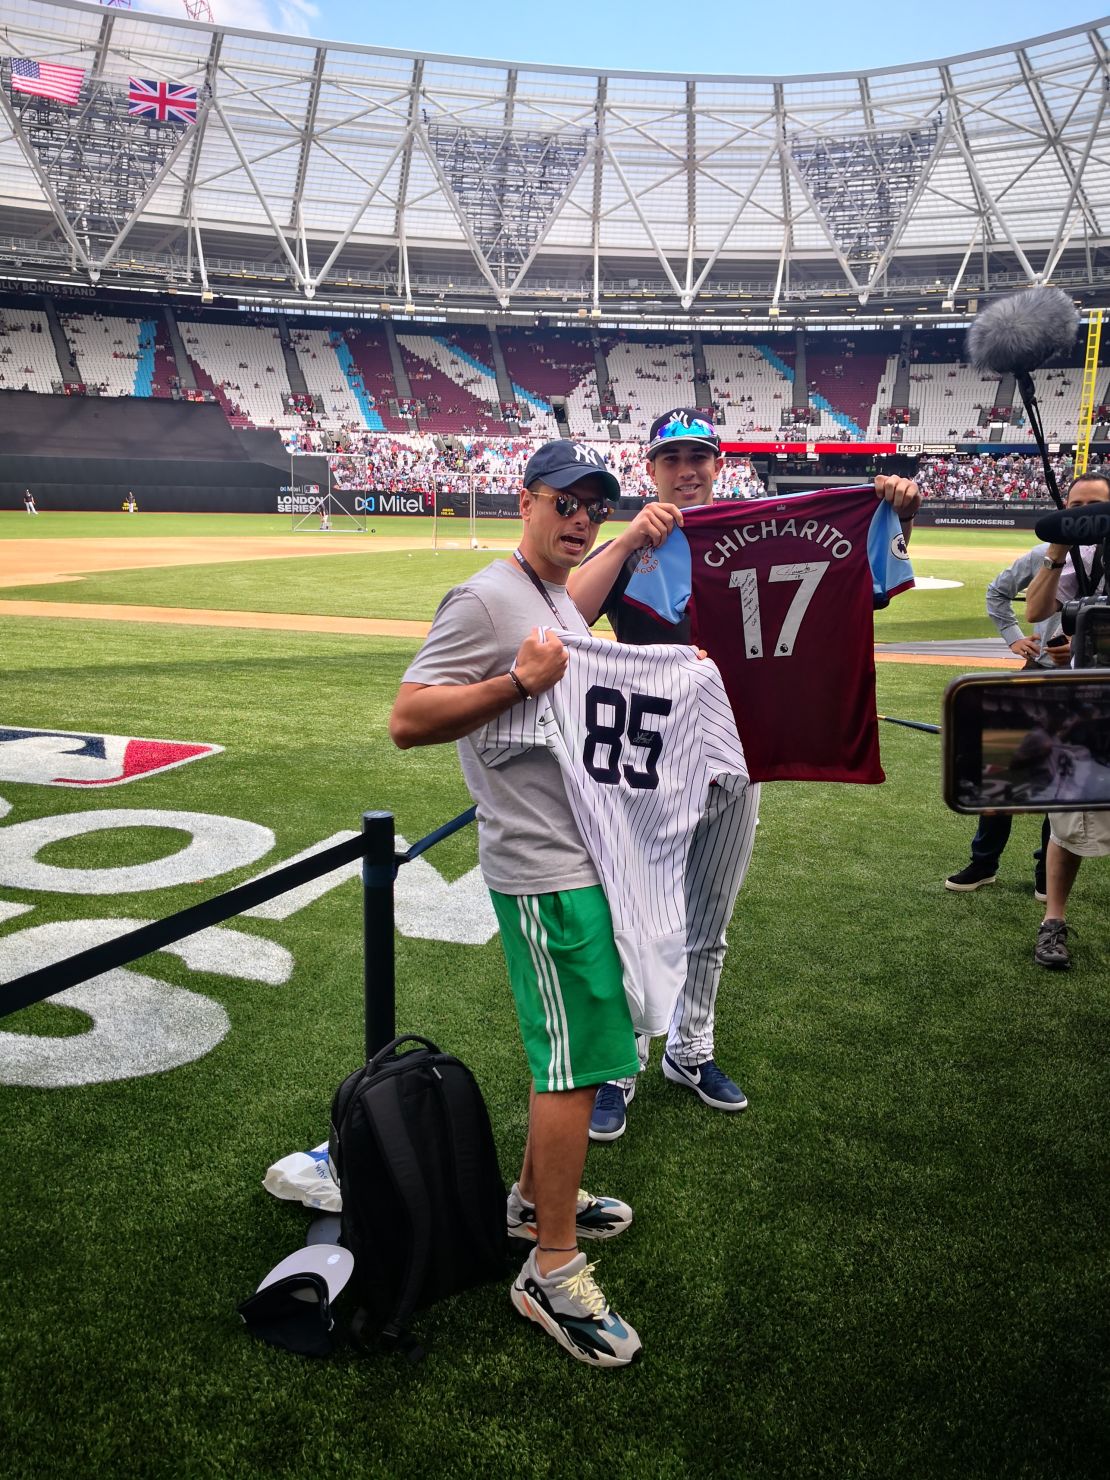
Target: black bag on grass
[423,1200]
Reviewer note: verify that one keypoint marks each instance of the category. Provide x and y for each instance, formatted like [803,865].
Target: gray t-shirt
[528,840]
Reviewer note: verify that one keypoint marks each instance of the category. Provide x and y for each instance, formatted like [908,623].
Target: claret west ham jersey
[781,592]
[639,733]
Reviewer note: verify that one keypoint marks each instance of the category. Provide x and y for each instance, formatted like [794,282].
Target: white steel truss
[318,170]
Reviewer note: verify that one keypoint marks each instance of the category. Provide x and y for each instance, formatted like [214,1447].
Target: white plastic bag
[305,1177]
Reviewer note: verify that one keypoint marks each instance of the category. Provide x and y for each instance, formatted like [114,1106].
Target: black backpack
[423,1200]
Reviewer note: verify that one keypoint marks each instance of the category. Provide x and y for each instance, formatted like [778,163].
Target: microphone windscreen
[1023,331]
[1086,524]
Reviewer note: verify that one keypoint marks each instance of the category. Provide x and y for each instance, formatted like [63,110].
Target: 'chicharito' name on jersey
[827,536]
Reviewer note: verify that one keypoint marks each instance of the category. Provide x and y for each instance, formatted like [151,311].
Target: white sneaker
[595,1217]
[569,1305]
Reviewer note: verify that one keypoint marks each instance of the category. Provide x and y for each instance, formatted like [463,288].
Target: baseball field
[893,1264]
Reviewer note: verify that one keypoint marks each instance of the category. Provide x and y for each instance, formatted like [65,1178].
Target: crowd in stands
[737,479]
[458,422]
[386,463]
[393,463]
[750,398]
[1012,477]
[21,359]
[80,327]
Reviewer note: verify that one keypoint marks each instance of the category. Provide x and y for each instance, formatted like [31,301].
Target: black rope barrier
[910,724]
[438,836]
[374,845]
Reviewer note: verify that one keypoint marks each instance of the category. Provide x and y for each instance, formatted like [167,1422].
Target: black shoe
[1052,945]
[1040,884]
[973,877]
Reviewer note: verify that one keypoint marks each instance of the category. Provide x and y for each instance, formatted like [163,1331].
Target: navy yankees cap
[561,463]
[292,1306]
[682,425]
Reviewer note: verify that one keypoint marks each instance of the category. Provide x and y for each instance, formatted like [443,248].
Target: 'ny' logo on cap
[582,453]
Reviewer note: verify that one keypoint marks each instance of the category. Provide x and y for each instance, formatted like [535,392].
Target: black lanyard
[540,587]
[1086,576]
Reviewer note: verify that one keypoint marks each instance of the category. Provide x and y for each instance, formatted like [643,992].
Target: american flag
[47,80]
[166,102]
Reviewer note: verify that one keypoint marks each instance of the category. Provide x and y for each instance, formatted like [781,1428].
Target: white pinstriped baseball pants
[719,855]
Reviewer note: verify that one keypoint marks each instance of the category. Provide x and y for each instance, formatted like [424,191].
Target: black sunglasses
[567,505]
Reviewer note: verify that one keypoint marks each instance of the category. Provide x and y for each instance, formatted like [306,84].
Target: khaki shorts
[1086,834]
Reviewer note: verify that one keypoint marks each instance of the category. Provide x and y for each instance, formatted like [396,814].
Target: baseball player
[29,501]
[483,657]
[683,460]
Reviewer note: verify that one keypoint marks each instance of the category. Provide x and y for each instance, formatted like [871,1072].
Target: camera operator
[1075,835]
[1046,648]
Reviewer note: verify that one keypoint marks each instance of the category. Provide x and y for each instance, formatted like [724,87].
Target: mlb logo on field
[72,758]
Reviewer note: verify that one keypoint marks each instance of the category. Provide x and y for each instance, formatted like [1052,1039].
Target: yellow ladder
[1087,397]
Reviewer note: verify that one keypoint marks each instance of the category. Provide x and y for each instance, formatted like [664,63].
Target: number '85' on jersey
[639,733]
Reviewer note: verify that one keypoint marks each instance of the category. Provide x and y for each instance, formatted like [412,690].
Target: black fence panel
[115,427]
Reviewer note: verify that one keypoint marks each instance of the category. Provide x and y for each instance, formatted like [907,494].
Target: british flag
[164,102]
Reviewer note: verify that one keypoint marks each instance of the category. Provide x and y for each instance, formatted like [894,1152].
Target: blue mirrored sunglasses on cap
[686,429]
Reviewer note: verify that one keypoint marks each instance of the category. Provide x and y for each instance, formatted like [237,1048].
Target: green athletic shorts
[569,989]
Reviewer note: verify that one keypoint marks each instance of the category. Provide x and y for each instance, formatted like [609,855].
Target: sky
[744,37]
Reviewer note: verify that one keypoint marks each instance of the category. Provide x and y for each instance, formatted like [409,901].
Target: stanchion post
[379,986]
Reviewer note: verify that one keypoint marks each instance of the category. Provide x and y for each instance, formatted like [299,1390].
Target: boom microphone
[1016,335]
[1087,524]
[1023,331]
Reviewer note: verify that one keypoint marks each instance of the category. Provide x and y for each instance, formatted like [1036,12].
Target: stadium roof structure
[373,180]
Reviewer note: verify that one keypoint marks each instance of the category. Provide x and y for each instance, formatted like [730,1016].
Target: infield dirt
[45,562]
[51,562]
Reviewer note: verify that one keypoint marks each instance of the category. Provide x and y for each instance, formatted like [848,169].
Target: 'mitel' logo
[69,758]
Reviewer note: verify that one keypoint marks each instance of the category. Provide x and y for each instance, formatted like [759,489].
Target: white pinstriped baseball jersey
[639,733]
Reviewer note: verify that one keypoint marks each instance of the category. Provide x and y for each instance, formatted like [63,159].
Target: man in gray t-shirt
[483,656]
[528,841]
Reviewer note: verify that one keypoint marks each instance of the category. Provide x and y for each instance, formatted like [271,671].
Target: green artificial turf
[929,615]
[396,584]
[408,585]
[75,525]
[894,1264]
